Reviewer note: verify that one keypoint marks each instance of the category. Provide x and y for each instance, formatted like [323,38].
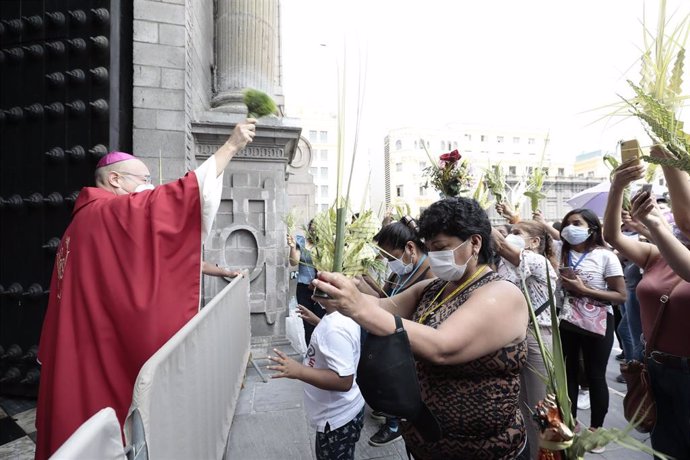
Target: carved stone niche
[249,232]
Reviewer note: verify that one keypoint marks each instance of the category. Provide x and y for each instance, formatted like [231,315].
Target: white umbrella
[595,198]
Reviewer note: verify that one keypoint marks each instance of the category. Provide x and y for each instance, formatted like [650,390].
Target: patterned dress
[476,403]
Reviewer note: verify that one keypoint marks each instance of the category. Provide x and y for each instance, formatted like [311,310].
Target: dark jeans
[303,294]
[339,444]
[595,355]
[624,336]
[671,387]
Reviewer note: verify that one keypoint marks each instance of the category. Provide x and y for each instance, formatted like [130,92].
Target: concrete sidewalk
[270,422]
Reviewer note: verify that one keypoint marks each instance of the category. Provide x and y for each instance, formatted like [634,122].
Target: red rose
[451,157]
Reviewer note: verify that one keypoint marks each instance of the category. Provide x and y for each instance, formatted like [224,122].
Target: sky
[537,64]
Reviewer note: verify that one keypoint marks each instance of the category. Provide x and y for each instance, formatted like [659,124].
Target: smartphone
[647,188]
[567,272]
[630,152]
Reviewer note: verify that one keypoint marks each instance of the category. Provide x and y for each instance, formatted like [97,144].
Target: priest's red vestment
[126,278]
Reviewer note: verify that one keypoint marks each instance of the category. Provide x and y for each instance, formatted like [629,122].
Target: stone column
[247,52]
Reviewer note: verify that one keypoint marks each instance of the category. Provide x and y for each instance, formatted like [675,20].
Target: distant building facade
[518,151]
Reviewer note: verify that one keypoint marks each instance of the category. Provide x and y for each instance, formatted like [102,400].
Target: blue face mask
[575,235]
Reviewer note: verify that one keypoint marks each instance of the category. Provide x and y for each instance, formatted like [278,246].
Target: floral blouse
[533,268]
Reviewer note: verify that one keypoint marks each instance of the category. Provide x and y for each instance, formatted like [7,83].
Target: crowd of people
[461,288]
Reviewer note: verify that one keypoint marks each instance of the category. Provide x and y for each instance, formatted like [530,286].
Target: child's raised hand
[286,366]
[307,315]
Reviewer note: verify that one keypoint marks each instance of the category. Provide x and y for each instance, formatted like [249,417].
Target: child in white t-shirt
[332,400]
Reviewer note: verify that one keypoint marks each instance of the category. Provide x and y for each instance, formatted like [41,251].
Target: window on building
[323,136]
[443,145]
[516,153]
[590,174]
[561,171]
[545,171]
[398,167]
[312,136]
[500,153]
[324,207]
[399,191]
[324,191]
[499,139]
[324,155]
[422,190]
[415,145]
[324,173]
[530,141]
[422,165]
[468,137]
[455,144]
[516,140]
[313,171]
[512,170]
[495,168]
[482,138]
[398,144]
[530,170]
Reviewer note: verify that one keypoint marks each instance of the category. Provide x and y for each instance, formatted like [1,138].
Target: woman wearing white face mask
[409,264]
[525,255]
[467,331]
[593,271]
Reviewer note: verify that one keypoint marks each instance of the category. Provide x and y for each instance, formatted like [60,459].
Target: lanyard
[432,308]
[402,285]
[570,260]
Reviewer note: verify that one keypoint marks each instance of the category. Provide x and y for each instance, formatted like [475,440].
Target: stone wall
[159,86]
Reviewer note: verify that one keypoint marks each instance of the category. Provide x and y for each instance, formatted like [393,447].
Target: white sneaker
[598,450]
[583,402]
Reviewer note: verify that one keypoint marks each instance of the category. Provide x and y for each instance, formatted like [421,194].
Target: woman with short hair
[467,330]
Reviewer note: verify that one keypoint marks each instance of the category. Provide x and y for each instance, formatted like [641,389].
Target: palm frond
[494,179]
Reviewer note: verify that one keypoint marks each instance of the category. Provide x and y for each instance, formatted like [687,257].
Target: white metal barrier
[98,437]
[187,391]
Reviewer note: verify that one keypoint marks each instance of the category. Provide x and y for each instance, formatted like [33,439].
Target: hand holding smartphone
[567,272]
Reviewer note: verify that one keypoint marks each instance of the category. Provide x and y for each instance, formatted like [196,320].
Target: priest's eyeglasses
[146,178]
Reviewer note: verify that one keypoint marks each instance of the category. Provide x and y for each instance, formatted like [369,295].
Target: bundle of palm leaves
[481,194]
[658,97]
[359,254]
[290,221]
[494,179]
[535,185]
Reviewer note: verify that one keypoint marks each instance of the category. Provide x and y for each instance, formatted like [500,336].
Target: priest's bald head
[122,173]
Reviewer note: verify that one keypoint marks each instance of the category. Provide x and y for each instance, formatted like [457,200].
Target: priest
[126,278]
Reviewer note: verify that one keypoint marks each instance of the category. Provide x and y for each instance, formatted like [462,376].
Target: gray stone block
[159,12]
[170,120]
[170,34]
[144,118]
[148,143]
[145,31]
[172,78]
[144,75]
[159,55]
[157,98]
